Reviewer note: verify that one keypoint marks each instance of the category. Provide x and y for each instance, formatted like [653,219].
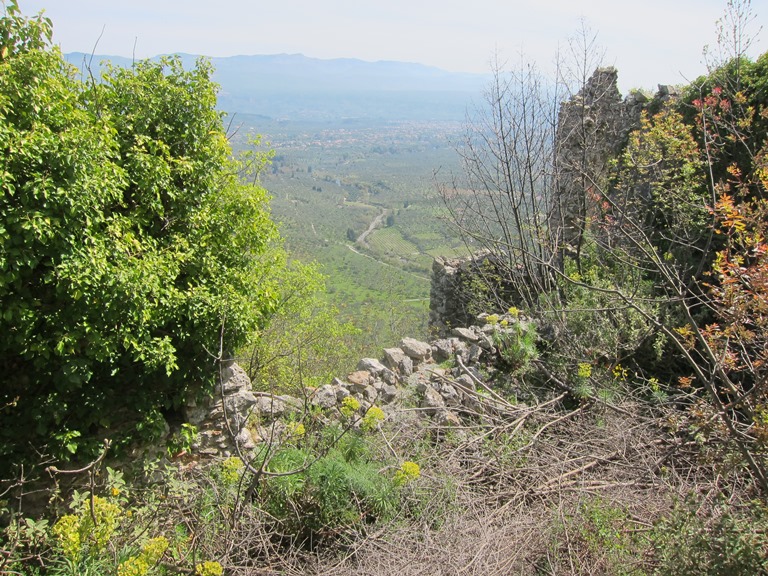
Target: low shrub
[516,346]
[313,498]
[721,541]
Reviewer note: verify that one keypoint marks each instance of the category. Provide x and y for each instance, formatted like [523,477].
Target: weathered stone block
[447,418]
[467,334]
[416,349]
[432,401]
[360,377]
[324,397]
[234,378]
[398,361]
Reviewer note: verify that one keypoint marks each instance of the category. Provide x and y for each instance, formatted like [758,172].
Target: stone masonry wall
[237,419]
[592,128]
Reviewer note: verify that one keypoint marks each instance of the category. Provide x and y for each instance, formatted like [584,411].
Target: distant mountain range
[293,86]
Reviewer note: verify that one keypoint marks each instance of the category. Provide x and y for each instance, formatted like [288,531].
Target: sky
[650,42]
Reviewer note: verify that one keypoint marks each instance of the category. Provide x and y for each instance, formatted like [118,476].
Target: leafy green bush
[127,243]
[342,489]
[597,323]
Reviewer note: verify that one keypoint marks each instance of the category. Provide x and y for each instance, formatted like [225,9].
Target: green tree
[128,243]
[304,343]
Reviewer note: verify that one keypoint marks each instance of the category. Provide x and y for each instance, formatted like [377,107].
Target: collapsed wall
[441,379]
[593,128]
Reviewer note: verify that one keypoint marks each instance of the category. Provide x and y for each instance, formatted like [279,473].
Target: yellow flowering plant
[373,417]
[134,566]
[87,532]
[295,430]
[349,406]
[149,556]
[230,470]
[408,472]
[67,534]
[209,568]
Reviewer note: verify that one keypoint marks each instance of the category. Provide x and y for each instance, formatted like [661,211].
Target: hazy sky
[651,42]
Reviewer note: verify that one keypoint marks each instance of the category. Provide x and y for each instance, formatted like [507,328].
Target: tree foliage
[304,343]
[129,244]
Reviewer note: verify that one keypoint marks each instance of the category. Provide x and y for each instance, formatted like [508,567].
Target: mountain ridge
[298,86]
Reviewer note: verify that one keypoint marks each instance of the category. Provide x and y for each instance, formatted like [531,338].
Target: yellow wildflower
[209,568]
[349,406]
[585,370]
[296,430]
[67,532]
[135,566]
[230,469]
[372,418]
[107,515]
[408,472]
[154,549]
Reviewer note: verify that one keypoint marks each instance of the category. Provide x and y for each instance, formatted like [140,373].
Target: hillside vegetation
[330,181]
[607,413]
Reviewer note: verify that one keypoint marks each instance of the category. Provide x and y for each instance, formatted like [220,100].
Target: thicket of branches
[644,249]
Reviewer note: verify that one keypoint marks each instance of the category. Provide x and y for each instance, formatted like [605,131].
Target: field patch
[390,242]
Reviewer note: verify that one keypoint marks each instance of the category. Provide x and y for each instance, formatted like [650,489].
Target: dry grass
[527,491]
[555,488]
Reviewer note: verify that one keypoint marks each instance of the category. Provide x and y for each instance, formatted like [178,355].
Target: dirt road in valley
[375,223]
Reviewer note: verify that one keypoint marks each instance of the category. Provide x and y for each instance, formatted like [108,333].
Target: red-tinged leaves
[740,296]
